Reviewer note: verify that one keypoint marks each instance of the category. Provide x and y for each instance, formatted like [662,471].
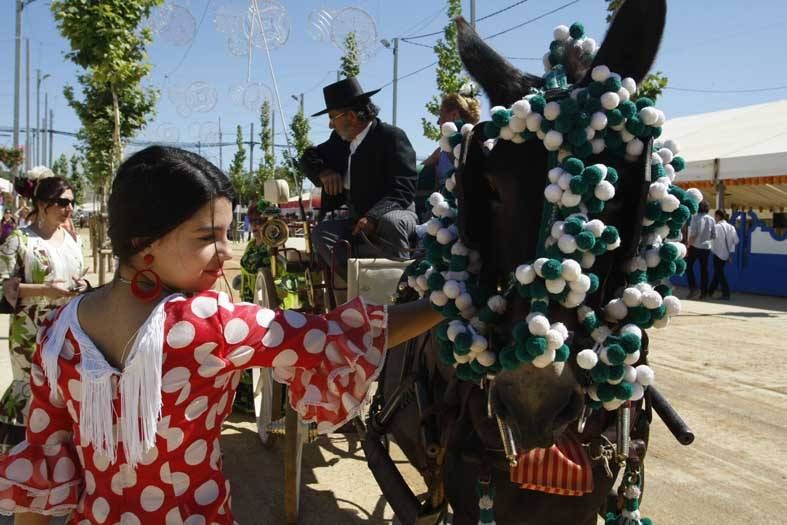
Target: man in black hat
[367,165]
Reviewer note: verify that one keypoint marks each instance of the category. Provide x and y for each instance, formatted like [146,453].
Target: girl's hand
[56,290]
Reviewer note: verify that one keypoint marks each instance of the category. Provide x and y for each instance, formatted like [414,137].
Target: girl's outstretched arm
[409,320]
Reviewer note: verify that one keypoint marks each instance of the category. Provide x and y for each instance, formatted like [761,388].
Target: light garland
[605,115]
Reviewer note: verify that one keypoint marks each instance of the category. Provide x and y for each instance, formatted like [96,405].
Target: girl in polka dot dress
[131,382]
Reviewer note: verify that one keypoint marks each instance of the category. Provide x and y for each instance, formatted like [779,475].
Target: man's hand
[332,182]
[366,225]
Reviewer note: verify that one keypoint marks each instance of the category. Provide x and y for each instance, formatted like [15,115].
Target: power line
[490,15]
[417,44]
[525,58]
[412,73]
[526,22]
[754,90]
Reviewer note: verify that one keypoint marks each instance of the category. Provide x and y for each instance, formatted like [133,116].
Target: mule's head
[501,201]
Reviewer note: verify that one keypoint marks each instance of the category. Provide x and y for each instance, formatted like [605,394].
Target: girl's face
[190,258]
[58,210]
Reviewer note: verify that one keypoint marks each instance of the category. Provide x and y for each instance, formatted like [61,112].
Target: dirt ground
[721,364]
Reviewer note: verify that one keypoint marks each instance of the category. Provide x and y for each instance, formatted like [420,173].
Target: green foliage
[60,166]
[76,178]
[652,85]
[242,182]
[11,157]
[299,132]
[449,69]
[265,170]
[612,8]
[107,43]
[351,62]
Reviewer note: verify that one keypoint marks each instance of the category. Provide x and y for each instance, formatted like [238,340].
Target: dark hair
[365,110]
[155,191]
[41,191]
[721,214]
[704,207]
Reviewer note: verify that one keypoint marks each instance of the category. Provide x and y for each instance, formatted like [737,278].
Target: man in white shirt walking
[722,248]
[702,230]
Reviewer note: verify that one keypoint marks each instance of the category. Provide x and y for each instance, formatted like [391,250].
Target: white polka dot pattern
[181,335]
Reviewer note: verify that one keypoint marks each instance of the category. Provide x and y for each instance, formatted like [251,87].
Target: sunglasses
[63,203]
[332,118]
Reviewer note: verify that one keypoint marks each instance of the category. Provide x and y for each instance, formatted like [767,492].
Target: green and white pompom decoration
[632,493]
[486,503]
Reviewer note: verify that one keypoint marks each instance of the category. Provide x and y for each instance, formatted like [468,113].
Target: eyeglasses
[63,203]
[332,118]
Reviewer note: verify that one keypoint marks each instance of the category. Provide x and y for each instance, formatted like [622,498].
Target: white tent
[6,186]
[745,148]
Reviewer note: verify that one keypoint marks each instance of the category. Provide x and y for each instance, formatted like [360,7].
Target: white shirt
[726,239]
[702,230]
[354,143]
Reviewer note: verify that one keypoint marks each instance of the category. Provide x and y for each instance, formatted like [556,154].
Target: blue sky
[720,45]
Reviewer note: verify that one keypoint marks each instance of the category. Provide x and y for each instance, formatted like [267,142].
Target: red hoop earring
[139,292]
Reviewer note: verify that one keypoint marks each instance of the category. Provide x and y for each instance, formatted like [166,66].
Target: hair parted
[704,207]
[156,190]
[468,107]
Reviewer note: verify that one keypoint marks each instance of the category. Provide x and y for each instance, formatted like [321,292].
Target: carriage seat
[374,279]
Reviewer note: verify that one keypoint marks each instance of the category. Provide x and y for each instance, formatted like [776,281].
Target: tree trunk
[118,153]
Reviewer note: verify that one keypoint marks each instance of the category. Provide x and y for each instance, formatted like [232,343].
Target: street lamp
[394,46]
[20,6]
[38,147]
[298,98]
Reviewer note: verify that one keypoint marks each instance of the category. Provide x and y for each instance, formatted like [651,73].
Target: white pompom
[533,121]
[445,145]
[600,73]
[451,289]
[629,374]
[571,270]
[546,62]
[411,282]
[610,100]
[694,194]
[551,110]
[671,145]
[420,281]
[561,329]
[645,375]
[652,257]
[603,356]
[495,109]
[563,154]
[616,310]
[587,359]
[589,45]
[444,236]
[557,229]
[598,146]
[438,298]
[436,198]
[553,139]
[661,323]
[631,358]
[455,328]
[590,133]
[636,392]
[592,392]
[497,303]
[564,181]
[479,344]
[466,129]
[635,148]
[555,174]
[624,94]
[673,305]
[670,203]
[545,359]
[666,155]
[521,109]
[538,263]
[486,358]
[604,191]
[595,226]
[655,159]
[626,136]
[682,250]
[525,274]
[553,193]
[630,85]
[567,244]
[448,129]
[462,359]
[600,334]
[651,300]
[570,199]
[433,226]
[669,171]
[554,339]
[631,329]
[450,183]
[588,259]
[459,249]
[649,115]
[580,284]
[463,300]
[561,33]
[538,325]
[632,297]
[661,119]
[598,121]
[506,133]
[657,191]
[540,135]
[517,124]
[573,299]
[518,139]
[555,286]
[612,405]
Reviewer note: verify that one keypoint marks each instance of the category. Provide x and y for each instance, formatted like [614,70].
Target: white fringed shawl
[140,385]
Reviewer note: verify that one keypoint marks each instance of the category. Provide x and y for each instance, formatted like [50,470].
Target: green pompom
[562,354]
[590,323]
[465,372]
[573,225]
[522,355]
[573,165]
[616,354]
[678,163]
[576,31]
[592,175]
[447,355]
[455,139]
[594,205]
[557,56]
[442,332]
[606,392]
[613,140]
[477,367]
[646,521]
[668,252]
[630,343]
[539,307]
[594,282]
[501,117]
[692,205]
[623,390]
[583,96]
[627,109]
[538,290]
[678,192]
[612,175]
[508,358]
[520,332]
[682,214]
[537,104]
[663,289]
[528,135]
[435,281]
[644,102]
[596,89]
[600,248]
[656,132]
[564,123]
[462,343]
[568,106]
[487,315]
[592,104]
[616,372]
[546,125]
[634,126]
[653,210]
[491,130]
[577,137]
[584,150]
[451,311]
[582,118]
[660,312]
[599,373]
[555,44]
[523,290]
[551,269]
[610,235]
[578,185]
[612,84]
[536,345]
[614,117]
[585,240]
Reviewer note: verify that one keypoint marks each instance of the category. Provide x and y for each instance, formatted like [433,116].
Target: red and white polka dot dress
[328,362]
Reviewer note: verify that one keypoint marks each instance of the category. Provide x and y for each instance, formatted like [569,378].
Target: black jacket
[382,175]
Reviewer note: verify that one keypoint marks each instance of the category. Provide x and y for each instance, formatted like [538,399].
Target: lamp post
[394,46]
[39,157]
[20,6]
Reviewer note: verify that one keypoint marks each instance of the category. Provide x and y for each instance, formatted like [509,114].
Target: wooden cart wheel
[268,395]
[295,436]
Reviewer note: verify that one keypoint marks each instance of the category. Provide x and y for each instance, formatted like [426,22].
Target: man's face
[343,122]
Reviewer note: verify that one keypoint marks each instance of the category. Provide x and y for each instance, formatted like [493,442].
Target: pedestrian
[41,267]
[131,382]
[369,166]
[723,247]
[702,230]
[7,225]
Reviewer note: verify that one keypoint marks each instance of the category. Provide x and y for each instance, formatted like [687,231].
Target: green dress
[33,260]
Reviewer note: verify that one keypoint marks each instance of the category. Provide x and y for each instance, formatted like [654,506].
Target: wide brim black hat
[343,94]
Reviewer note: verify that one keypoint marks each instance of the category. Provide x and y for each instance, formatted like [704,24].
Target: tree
[299,131]
[654,83]
[351,61]
[60,166]
[107,43]
[449,69]
[242,181]
[266,168]
[77,178]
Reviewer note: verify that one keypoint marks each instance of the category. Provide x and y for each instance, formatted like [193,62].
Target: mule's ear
[633,39]
[475,197]
[503,83]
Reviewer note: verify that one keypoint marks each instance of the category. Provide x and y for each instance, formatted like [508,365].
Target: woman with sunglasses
[41,266]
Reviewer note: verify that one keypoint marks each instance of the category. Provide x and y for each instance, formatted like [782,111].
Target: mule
[501,196]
